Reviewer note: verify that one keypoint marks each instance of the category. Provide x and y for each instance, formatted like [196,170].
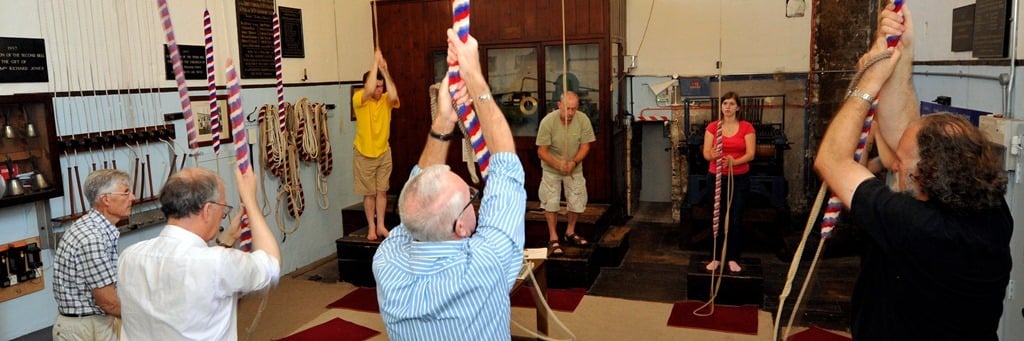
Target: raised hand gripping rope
[240,141]
[828,221]
[460,23]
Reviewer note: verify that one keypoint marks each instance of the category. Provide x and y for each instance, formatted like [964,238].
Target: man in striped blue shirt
[445,273]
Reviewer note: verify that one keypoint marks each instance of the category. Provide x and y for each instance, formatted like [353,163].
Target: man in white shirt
[176,286]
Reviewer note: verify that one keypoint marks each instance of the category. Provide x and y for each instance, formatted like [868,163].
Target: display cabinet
[29,162]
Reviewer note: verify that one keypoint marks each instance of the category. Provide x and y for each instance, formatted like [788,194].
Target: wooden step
[612,246]
[573,269]
[745,287]
[591,224]
[355,258]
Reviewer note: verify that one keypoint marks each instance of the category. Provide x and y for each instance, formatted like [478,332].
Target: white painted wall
[688,37]
[338,45]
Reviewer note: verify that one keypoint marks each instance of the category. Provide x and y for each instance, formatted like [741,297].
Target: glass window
[512,75]
[581,70]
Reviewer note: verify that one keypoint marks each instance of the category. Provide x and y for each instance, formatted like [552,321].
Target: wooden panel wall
[412,30]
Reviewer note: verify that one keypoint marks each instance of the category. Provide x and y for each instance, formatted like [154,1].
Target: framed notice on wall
[292,45]
[990,28]
[22,60]
[255,38]
[962,38]
[193,60]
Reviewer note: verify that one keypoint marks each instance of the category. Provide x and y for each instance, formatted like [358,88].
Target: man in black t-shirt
[939,259]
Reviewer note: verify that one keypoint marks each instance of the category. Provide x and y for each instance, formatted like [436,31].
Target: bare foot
[384,233]
[734,267]
[372,233]
[712,266]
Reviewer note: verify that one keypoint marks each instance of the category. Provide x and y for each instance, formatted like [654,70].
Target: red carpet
[559,299]
[336,329]
[732,319]
[816,334]
[362,299]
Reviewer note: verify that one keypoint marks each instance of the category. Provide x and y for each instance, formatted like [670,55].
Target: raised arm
[898,105]
[370,83]
[262,238]
[391,87]
[834,161]
[492,121]
[435,152]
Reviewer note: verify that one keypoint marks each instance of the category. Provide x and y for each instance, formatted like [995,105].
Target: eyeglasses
[125,193]
[473,195]
[227,208]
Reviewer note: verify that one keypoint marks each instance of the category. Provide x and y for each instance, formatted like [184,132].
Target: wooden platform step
[355,258]
[591,224]
[745,287]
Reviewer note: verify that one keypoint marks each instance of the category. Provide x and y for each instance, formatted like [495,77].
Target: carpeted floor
[630,302]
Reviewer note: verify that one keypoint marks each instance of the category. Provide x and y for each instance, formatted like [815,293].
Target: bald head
[187,191]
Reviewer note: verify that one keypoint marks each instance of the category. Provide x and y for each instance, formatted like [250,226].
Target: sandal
[575,239]
[554,248]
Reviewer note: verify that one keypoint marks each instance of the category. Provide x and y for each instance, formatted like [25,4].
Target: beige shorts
[551,185]
[95,327]
[371,175]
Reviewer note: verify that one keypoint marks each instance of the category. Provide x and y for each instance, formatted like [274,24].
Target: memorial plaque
[292,45]
[962,38]
[255,38]
[22,60]
[193,60]
[990,29]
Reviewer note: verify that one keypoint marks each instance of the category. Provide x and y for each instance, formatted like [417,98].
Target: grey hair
[423,216]
[187,191]
[103,181]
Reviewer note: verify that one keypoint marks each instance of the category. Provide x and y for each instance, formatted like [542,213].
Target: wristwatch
[442,137]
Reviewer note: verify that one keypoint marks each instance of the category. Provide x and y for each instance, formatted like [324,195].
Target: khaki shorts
[95,327]
[371,175]
[551,185]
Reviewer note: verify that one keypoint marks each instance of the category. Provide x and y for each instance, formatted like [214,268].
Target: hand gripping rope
[240,141]
[460,23]
[834,205]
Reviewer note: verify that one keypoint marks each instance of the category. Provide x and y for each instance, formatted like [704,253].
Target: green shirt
[552,133]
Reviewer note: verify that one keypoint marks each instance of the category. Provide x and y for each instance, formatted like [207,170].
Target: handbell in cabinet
[38,179]
[14,187]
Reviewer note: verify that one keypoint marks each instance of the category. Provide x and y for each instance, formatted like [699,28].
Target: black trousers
[740,195]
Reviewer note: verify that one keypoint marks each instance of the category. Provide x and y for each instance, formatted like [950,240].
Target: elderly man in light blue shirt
[444,274]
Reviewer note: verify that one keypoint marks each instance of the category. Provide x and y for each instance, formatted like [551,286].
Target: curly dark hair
[958,168]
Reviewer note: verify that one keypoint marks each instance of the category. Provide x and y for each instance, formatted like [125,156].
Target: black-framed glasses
[227,208]
[473,195]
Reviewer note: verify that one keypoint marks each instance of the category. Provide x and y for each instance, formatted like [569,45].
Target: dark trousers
[741,183]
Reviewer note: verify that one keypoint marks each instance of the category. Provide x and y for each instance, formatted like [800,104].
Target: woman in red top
[738,139]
